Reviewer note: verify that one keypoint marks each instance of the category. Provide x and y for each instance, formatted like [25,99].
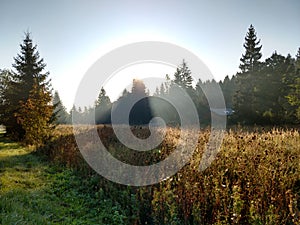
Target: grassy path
[32,191]
[23,186]
[29,188]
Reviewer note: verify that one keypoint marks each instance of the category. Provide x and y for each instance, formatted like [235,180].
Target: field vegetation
[255,178]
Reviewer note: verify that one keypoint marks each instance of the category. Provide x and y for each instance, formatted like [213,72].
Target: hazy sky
[71,35]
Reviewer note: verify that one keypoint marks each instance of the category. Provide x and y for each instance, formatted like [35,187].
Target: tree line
[262,92]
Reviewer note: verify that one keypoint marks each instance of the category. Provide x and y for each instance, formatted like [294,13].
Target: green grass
[22,185]
[255,179]
[33,191]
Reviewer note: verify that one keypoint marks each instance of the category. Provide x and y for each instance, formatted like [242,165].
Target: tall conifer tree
[183,77]
[27,98]
[250,59]
[103,108]
[60,112]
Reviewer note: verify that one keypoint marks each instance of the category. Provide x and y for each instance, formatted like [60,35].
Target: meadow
[255,179]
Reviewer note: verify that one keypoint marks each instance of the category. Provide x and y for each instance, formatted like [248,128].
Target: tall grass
[34,191]
[255,178]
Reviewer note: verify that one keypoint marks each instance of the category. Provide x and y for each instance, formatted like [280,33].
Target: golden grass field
[255,178]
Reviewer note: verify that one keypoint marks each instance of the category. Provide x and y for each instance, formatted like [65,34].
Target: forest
[254,178]
[261,93]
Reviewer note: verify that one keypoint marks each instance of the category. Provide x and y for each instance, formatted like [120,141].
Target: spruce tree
[202,103]
[35,115]
[140,112]
[29,67]
[228,89]
[138,89]
[103,108]
[250,59]
[74,113]
[103,100]
[183,77]
[60,112]
[247,82]
[27,95]
[162,89]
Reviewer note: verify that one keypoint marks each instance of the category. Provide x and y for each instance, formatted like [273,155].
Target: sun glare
[122,78]
[151,73]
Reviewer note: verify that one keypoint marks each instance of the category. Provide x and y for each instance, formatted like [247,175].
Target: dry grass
[255,178]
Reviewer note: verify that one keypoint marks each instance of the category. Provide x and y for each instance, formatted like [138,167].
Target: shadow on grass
[6,143]
[15,157]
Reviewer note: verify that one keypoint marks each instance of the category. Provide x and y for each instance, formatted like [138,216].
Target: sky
[72,35]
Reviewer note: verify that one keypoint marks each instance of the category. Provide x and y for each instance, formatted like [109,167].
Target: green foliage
[250,60]
[266,93]
[102,108]
[228,87]
[183,77]
[294,91]
[103,100]
[9,104]
[245,96]
[256,100]
[35,116]
[138,98]
[294,96]
[254,179]
[33,191]
[59,111]
[25,96]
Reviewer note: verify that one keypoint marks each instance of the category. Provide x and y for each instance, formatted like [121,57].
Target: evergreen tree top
[29,68]
[27,97]
[103,99]
[138,87]
[183,76]
[250,59]
[28,63]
